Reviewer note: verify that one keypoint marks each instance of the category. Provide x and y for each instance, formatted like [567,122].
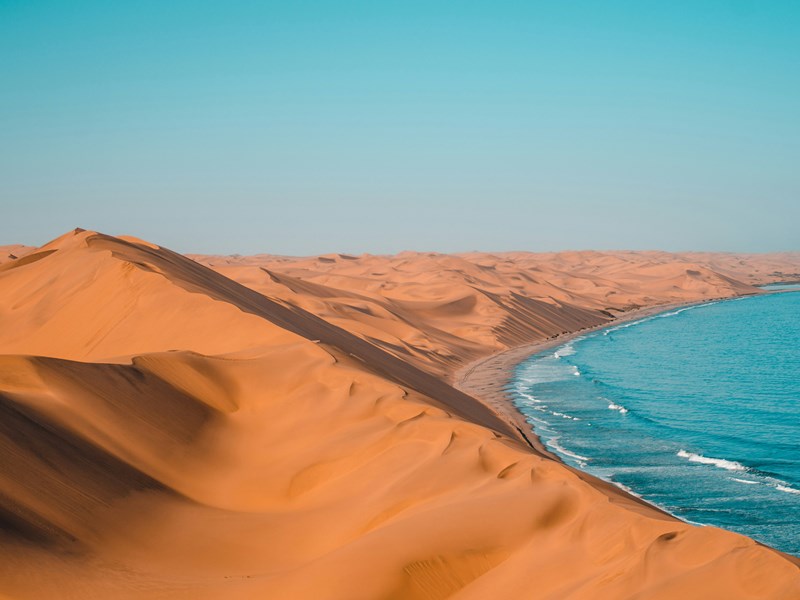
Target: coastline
[487,379]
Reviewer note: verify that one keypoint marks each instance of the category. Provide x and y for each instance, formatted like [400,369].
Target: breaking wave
[730,465]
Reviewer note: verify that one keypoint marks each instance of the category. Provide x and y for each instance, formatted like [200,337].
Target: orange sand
[281,428]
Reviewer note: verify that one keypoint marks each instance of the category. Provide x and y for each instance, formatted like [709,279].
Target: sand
[248,427]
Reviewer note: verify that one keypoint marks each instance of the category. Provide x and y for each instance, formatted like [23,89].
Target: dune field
[277,427]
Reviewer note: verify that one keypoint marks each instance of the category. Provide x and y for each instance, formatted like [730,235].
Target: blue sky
[308,127]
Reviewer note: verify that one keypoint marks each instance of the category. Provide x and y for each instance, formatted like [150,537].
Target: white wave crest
[787,489]
[729,465]
[524,397]
[564,416]
[747,481]
[553,443]
[622,410]
[541,427]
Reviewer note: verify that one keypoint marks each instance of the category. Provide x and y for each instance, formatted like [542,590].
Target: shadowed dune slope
[167,432]
[438,311]
[133,300]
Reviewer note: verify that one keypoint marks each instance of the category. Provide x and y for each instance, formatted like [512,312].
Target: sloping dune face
[438,311]
[13,252]
[167,432]
[434,311]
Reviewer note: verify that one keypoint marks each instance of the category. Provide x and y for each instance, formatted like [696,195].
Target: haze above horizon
[312,127]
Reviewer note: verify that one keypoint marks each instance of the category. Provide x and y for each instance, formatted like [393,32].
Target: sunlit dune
[276,427]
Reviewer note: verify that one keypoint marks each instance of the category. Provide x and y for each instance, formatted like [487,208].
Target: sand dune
[13,252]
[438,311]
[274,427]
[756,269]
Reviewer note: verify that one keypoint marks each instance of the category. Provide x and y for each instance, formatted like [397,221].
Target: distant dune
[13,252]
[274,427]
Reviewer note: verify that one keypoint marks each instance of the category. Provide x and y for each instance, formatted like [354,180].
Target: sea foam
[553,443]
[566,350]
[622,410]
[747,481]
[729,465]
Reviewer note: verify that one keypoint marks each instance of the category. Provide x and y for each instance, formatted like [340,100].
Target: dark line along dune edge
[488,378]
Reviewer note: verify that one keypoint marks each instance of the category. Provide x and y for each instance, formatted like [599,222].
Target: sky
[308,127]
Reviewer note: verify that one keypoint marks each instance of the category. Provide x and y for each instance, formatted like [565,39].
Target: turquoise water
[697,410]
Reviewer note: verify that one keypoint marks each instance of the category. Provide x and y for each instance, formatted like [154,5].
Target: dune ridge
[275,427]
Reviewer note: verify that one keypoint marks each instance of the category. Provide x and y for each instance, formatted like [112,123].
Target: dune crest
[275,427]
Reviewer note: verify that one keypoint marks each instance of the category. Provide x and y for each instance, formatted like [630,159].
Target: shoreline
[487,379]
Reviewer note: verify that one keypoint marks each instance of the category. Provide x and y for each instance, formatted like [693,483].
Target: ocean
[696,410]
